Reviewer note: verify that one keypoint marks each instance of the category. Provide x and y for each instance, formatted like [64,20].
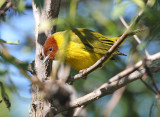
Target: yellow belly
[78,58]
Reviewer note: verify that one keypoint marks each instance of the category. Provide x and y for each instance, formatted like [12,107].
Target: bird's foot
[83,73]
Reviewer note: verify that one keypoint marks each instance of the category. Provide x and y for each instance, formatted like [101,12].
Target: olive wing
[93,41]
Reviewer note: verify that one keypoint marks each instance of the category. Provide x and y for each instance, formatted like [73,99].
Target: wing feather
[93,41]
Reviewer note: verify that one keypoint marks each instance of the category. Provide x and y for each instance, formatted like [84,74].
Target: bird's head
[50,49]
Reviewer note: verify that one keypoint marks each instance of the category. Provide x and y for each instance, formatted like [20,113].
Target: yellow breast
[79,58]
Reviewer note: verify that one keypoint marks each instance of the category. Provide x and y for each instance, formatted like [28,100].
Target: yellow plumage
[84,48]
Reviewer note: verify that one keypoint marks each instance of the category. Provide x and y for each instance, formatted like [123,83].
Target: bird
[84,48]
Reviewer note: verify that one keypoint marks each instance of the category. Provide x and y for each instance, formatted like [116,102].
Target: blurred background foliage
[99,15]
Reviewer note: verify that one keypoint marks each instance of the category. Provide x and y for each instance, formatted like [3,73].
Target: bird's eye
[50,49]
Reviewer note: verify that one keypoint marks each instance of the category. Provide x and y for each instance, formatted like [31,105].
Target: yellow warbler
[84,48]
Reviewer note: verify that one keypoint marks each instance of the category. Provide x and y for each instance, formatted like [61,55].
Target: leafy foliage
[101,16]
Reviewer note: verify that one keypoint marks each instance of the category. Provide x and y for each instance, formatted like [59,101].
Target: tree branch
[135,36]
[20,64]
[122,79]
[149,73]
[5,7]
[150,88]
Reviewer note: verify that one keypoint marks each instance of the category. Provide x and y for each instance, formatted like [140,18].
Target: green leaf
[9,42]
[21,6]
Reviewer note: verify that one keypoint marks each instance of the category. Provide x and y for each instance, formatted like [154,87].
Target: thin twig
[150,88]
[149,73]
[22,66]
[155,85]
[11,59]
[127,26]
[151,109]
[135,36]
[5,7]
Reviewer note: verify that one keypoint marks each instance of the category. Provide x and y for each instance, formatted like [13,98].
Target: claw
[82,72]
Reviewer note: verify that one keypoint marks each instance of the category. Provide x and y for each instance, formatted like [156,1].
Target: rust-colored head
[50,49]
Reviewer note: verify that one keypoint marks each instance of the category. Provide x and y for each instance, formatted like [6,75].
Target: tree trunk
[50,10]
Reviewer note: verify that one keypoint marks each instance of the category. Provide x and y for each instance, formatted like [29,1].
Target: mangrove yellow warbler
[84,48]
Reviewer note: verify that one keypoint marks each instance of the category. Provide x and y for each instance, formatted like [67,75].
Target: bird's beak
[46,58]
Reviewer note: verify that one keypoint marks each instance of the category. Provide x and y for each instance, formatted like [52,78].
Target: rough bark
[50,10]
